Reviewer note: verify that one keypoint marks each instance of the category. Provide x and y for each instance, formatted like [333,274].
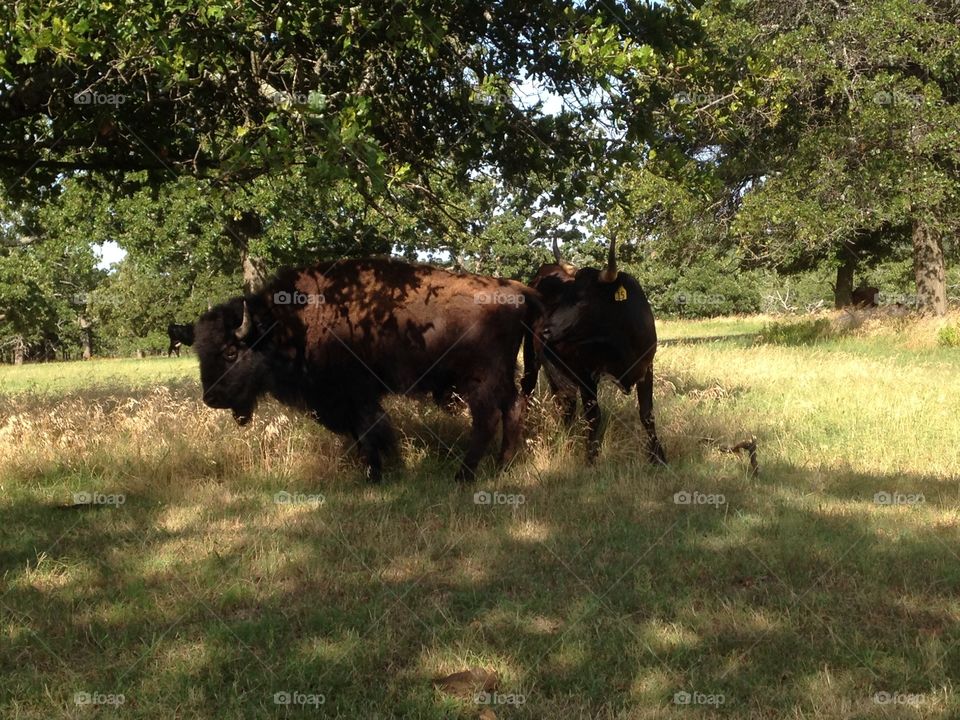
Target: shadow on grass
[595,596]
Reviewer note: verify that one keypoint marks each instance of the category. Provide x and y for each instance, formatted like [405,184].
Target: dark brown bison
[597,322]
[334,339]
[179,335]
[864,296]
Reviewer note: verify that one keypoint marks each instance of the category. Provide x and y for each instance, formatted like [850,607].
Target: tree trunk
[240,230]
[19,347]
[254,273]
[843,290]
[86,337]
[928,270]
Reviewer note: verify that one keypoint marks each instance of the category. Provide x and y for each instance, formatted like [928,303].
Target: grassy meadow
[158,561]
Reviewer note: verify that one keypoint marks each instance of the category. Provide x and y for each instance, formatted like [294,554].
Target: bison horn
[609,274]
[567,267]
[247,323]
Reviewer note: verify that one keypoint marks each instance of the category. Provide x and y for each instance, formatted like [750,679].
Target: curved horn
[609,274]
[565,266]
[247,323]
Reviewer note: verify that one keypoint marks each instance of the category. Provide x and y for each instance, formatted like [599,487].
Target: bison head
[232,370]
[596,319]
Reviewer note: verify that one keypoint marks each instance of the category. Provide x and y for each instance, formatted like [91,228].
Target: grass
[592,593]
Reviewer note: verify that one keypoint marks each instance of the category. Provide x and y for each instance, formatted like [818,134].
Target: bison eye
[230,354]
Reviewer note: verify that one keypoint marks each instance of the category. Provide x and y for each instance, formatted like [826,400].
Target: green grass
[596,597]
[119,375]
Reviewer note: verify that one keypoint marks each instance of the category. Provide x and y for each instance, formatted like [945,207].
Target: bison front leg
[655,451]
[591,411]
[374,438]
[564,395]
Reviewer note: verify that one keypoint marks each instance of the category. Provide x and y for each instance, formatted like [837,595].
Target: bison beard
[597,322]
[334,339]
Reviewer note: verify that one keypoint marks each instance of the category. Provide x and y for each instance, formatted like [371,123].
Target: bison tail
[532,342]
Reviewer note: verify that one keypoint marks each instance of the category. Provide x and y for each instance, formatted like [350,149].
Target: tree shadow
[590,590]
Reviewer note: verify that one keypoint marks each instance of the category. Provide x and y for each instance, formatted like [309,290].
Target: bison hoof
[465,475]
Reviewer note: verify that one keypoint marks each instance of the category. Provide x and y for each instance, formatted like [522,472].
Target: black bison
[334,339]
[179,335]
[864,296]
[597,322]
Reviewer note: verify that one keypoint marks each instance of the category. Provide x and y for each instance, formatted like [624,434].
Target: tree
[840,123]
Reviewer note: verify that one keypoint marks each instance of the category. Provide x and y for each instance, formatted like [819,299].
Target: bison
[336,338]
[864,296]
[597,322]
[179,335]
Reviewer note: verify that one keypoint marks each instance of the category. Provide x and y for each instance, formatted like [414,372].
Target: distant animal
[597,322]
[179,335]
[864,296]
[334,339]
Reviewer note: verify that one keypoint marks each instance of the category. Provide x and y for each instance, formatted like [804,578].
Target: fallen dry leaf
[487,714]
[467,683]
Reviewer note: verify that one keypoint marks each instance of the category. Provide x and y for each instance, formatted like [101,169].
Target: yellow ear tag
[620,295]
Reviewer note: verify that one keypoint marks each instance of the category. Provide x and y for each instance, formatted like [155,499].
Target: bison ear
[609,273]
[244,330]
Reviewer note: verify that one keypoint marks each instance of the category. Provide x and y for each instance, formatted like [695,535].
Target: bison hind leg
[511,411]
[484,416]
[655,453]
